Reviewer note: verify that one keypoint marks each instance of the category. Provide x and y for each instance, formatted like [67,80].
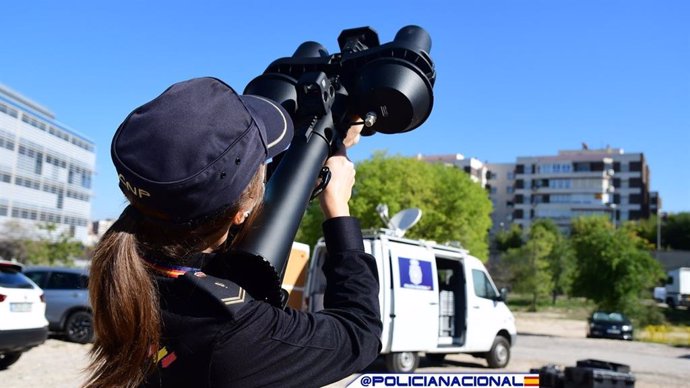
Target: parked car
[23,323]
[609,325]
[67,301]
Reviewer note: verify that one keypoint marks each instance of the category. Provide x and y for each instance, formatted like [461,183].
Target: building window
[560,198]
[511,175]
[7,143]
[34,123]
[510,189]
[582,167]
[9,111]
[559,183]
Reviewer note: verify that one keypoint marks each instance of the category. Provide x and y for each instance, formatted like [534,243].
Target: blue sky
[514,78]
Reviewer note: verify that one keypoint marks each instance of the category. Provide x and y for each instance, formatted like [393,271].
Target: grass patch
[675,331]
[570,308]
[665,334]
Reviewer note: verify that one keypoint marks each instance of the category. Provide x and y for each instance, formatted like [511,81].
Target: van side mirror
[503,295]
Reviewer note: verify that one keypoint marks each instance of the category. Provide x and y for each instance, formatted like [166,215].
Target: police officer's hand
[336,195]
[353,134]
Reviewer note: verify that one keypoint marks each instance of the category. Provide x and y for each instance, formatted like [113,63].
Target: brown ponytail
[126,310]
[124,296]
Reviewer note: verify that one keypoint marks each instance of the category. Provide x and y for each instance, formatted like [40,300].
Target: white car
[23,324]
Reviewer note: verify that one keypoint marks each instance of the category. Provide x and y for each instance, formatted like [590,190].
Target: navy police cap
[192,150]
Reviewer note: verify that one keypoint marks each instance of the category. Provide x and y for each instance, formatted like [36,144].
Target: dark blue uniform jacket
[216,335]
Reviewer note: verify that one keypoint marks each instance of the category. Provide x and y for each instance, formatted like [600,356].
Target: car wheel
[7,359]
[435,358]
[79,327]
[402,362]
[499,355]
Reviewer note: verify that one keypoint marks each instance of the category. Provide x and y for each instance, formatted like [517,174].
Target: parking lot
[543,339]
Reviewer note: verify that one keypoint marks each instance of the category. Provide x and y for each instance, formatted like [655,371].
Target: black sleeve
[267,346]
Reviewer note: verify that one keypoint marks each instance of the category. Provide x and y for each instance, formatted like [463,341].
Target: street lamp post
[613,208]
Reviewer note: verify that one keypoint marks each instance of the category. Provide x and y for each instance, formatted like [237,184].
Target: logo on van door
[415,274]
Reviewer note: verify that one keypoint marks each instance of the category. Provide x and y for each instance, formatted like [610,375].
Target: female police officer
[191,165]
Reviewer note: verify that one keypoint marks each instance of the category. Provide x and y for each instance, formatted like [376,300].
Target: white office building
[46,170]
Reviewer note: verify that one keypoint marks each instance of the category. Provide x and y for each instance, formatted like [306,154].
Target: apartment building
[46,169]
[564,186]
[472,166]
[501,188]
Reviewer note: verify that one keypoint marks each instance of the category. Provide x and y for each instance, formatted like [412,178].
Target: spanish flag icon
[531,381]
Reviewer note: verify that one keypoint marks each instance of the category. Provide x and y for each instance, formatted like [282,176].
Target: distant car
[609,325]
[67,301]
[23,323]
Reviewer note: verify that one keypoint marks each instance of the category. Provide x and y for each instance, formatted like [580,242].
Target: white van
[434,299]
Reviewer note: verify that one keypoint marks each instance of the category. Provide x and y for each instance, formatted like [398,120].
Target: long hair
[123,292]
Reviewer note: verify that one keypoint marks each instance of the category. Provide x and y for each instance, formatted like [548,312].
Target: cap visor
[275,121]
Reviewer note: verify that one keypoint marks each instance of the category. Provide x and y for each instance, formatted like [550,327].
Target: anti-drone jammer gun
[389,87]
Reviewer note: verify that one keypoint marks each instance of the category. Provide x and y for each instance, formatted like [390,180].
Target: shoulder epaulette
[226,293]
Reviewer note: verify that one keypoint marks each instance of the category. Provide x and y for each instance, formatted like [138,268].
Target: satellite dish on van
[404,220]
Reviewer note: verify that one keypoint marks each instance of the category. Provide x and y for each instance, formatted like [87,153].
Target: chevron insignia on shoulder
[235,299]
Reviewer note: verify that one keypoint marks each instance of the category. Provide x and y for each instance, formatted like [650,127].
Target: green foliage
[570,307]
[454,208]
[613,269]
[561,264]
[675,233]
[529,264]
[55,249]
[645,228]
[507,239]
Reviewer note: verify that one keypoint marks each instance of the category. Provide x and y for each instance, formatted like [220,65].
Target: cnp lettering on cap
[139,192]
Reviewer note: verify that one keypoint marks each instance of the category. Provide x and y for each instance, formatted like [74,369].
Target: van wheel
[499,355]
[402,362]
[79,327]
[436,358]
[7,359]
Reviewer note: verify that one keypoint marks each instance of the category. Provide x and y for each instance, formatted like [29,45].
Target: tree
[507,239]
[13,241]
[53,248]
[454,208]
[613,266]
[561,266]
[675,233]
[529,264]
